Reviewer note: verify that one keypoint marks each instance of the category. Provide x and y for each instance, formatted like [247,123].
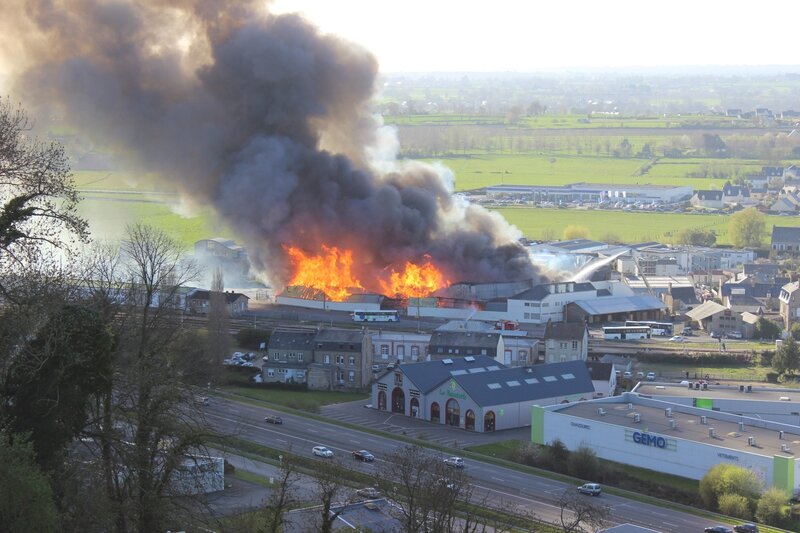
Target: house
[709,199]
[742,303]
[566,341]
[787,202]
[772,172]
[761,272]
[790,304]
[478,394]
[289,354]
[680,299]
[604,378]
[766,290]
[715,318]
[758,181]
[393,346]
[199,301]
[341,360]
[785,239]
[735,194]
[452,344]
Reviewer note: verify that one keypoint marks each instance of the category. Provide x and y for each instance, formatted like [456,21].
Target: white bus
[664,329]
[626,333]
[376,316]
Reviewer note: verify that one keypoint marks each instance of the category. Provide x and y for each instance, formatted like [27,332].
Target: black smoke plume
[259,116]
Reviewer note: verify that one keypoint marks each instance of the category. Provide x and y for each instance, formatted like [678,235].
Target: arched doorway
[453,415]
[381,401]
[415,407]
[469,419]
[398,401]
[488,421]
[435,416]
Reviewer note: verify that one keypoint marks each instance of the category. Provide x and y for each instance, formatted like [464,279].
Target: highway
[497,484]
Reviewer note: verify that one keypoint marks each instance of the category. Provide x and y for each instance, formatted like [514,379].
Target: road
[497,484]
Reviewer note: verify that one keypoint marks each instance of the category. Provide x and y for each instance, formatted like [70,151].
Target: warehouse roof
[705,310]
[619,304]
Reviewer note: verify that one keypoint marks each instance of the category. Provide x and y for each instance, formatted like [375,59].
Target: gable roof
[705,310]
[685,294]
[599,371]
[291,340]
[785,234]
[565,330]
[464,339]
[735,190]
[230,297]
[709,195]
[340,336]
[428,374]
[524,384]
[619,304]
[743,299]
[540,291]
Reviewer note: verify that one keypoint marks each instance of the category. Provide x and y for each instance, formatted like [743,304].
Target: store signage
[451,391]
[647,439]
[728,456]
[579,425]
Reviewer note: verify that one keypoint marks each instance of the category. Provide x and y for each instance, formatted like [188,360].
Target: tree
[728,479]
[746,228]
[735,505]
[579,515]
[766,329]
[794,331]
[38,200]
[787,356]
[218,327]
[26,500]
[329,491]
[772,509]
[697,237]
[574,231]
[583,463]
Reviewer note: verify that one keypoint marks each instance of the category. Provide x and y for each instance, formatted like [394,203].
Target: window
[351,376]
[326,359]
[352,360]
[401,351]
[339,375]
[527,315]
[523,355]
[574,345]
[398,379]
[562,345]
[271,373]
[275,356]
[384,351]
[339,359]
[299,357]
[484,351]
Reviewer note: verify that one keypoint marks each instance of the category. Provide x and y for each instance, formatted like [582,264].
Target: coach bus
[626,333]
[376,316]
[664,329]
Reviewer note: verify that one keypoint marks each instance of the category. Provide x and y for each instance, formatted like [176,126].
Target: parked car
[718,529]
[273,419]
[590,488]
[455,462]
[204,400]
[363,455]
[640,375]
[676,338]
[687,331]
[715,335]
[651,376]
[746,528]
[322,451]
[376,368]
[735,334]
[369,492]
[627,375]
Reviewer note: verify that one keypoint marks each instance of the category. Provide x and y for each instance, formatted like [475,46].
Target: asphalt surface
[497,484]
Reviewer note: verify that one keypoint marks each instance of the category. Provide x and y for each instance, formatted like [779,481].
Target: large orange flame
[414,281]
[329,272]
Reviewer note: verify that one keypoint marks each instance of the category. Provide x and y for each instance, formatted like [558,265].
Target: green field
[629,227]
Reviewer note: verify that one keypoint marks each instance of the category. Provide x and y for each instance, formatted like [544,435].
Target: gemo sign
[649,440]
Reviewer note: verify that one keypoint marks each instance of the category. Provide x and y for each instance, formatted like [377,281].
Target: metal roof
[523,384]
[428,374]
[291,340]
[620,304]
[705,310]
[785,234]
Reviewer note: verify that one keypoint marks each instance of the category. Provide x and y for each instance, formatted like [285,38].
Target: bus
[626,333]
[376,316]
[664,329]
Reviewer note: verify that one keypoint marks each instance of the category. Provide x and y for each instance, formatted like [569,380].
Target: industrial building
[674,438]
[593,193]
[477,393]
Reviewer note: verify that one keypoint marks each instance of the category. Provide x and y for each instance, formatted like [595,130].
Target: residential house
[708,199]
[566,341]
[454,344]
[289,354]
[398,346]
[772,172]
[199,301]
[787,202]
[785,239]
[341,360]
[765,289]
[715,318]
[790,304]
[604,378]
[520,350]
[735,194]
[758,181]
[680,299]
[742,303]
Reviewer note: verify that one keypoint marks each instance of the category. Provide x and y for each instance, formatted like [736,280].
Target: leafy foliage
[574,231]
[251,338]
[726,479]
[746,228]
[787,356]
[772,509]
[735,505]
[767,329]
[697,237]
[26,500]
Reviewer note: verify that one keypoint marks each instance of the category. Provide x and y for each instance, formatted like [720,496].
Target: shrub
[735,505]
[583,463]
[725,479]
[772,509]
[252,338]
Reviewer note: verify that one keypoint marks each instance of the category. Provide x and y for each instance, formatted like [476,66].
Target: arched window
[414,407]
[381,401]
[469,419]
[453,415]
[488,421]
[398,401]
[435,415]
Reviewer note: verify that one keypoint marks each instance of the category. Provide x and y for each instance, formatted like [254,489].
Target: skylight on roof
[531,381]
[469,358]
[493,367]
[493,386]
[476,370]
[458,372]
[513,383]
[568,376]
[447,361]
[550,378]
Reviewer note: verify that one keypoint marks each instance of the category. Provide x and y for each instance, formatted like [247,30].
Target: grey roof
[599,371]
[709,195]
[743,299]
[339,339]
[785,234]
[565,330]
[464,339]
[603,292]
[685,294]
[619,304]
[291,340]
[761,269]
[540,291]
[230,297]
[735,190]
[524,384]
[428,374]
[705,310]
[577,244]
